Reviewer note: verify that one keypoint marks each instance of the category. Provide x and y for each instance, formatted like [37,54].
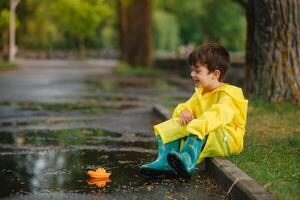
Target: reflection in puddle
[59,171]
[59,137]
[65,172]
[99,182]
[54,164]
[73,139]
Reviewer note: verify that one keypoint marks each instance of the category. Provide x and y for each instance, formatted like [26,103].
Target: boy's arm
[216,116]
[184,106]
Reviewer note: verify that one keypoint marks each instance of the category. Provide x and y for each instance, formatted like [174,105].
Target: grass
[5,65]
[272,146]
[126,70]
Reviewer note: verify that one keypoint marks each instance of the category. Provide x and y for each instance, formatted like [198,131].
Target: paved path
[59,119]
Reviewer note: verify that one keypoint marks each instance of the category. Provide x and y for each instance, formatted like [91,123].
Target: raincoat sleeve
[218,115]
[184,106]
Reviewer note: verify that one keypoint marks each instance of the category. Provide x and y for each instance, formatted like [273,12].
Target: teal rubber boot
[161,166]
[185,162]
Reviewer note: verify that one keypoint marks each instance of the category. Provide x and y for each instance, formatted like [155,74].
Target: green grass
[126,70]
[272,146]
[5,65]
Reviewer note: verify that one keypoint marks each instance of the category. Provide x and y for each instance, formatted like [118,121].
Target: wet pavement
[59,119]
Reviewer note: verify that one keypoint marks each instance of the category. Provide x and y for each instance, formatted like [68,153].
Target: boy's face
[203,78]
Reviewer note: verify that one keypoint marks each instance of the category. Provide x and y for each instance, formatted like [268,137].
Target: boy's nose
[192,74]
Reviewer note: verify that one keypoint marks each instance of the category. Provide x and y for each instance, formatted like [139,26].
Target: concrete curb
[238,184]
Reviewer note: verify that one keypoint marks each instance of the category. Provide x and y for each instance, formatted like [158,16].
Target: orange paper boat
[100,173]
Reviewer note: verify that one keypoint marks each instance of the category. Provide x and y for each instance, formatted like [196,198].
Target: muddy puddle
[58,123]
[55,174]
[44,163]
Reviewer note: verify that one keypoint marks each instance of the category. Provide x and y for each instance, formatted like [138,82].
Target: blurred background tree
[166,31]
[142,30]
[92,24]
[7,28]
[135,31]
[38,30]
[4,28]
[64,24]
[79,20]
[207,21]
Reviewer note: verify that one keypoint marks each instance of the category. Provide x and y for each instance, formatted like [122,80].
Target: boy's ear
[217,73]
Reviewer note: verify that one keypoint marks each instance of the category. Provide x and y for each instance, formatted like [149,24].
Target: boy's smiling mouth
[196,82]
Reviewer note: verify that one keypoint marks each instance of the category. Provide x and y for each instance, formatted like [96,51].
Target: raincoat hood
[236,95]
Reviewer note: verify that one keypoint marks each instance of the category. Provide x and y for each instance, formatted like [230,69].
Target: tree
[208,21]
[4,28]
[273,49]
[135,32]
[66,24]
[12,29]
[37,30]
[79,19]
[165,31]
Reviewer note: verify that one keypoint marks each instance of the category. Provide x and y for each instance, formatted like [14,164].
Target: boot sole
[156,172]
[177,164]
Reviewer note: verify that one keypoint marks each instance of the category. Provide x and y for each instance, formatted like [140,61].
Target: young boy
[211,123]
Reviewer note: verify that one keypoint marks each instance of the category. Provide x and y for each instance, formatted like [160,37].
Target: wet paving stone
[72,137]
[10,109]
[44,164]
[59,119]
[60,137]
[45,173]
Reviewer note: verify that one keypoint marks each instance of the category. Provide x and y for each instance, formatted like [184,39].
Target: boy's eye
[196,70]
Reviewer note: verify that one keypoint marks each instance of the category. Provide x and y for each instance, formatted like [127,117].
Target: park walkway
[59,119]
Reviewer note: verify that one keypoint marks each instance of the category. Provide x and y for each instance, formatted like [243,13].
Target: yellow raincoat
[220,114]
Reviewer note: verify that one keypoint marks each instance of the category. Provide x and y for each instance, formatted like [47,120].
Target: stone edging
[238,184]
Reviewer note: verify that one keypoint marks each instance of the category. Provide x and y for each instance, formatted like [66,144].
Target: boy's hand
[185,117]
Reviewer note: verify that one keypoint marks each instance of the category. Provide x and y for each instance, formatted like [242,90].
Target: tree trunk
[5,42]
[82,50]
[12,30]
[248,84]
[273,47]
[135,32]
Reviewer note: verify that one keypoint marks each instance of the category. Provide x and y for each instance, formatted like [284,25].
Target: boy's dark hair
[215,56]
